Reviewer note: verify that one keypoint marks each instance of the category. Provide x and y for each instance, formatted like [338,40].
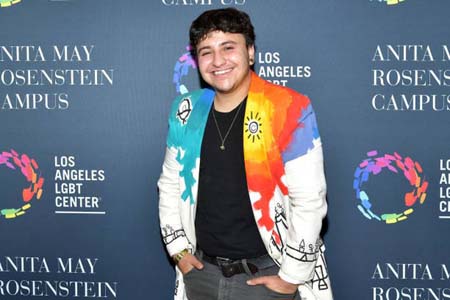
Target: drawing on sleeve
[169,234]
[320,274]
[277,240]
[303,253]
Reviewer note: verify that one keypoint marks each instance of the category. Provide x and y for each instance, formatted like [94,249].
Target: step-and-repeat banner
[85,91]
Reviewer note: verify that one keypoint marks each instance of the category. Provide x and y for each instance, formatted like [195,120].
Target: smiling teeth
[221,72]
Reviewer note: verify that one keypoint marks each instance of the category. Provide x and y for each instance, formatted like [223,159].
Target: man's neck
[226,102]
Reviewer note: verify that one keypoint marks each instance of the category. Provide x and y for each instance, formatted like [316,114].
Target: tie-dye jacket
[284,170]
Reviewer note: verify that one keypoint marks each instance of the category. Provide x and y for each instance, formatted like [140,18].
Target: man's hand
[188,262]
[274,283]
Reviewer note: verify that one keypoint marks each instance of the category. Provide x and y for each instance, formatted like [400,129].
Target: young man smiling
[242,192]
[223,60]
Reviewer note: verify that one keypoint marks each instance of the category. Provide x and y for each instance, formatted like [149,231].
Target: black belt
[230,267]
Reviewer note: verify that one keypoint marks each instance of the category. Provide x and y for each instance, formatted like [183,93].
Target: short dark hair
[228,20]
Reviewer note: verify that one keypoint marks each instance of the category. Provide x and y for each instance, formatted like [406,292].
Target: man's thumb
[197,264]
[257,280]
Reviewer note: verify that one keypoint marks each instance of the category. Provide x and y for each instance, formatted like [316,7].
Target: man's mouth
[222,72]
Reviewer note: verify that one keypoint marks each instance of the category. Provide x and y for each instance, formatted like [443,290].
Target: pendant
[222,147]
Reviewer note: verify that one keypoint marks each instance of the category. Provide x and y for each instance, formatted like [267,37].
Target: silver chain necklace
[222,146]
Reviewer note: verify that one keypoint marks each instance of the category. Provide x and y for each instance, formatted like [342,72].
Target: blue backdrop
[85,90]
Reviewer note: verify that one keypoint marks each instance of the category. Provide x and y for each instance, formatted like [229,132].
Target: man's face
[224,61]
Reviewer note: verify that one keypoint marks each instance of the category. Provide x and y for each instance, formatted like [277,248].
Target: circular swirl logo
[373,165]
[184,110]
[29,169]
[181,69]
[253,126]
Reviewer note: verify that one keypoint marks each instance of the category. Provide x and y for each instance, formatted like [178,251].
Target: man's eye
[205,53]
[229,48]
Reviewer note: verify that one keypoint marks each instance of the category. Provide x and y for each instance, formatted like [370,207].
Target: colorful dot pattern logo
[390,2]
[29,169]
[6,3]
[182,66]
[373,165]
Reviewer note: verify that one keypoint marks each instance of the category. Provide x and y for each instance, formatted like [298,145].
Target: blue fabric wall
[378,75]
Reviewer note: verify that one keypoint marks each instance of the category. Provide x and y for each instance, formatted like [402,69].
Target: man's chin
[222,89]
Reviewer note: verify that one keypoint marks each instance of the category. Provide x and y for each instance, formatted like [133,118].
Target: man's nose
[218,59]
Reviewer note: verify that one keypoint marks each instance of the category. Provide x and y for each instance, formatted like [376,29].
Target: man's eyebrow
[203,48]
[221,44]
[228,42]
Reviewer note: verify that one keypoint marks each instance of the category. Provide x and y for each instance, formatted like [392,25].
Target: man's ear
[251,54]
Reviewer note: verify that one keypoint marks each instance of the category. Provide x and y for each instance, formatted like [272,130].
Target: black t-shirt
[224,223]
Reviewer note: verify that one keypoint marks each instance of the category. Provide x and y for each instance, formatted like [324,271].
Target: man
[242,192]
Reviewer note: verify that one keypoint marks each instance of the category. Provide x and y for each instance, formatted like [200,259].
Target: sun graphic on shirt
[253,127]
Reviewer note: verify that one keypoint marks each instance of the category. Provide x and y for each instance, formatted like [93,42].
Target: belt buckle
[226,266]
[223,260]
